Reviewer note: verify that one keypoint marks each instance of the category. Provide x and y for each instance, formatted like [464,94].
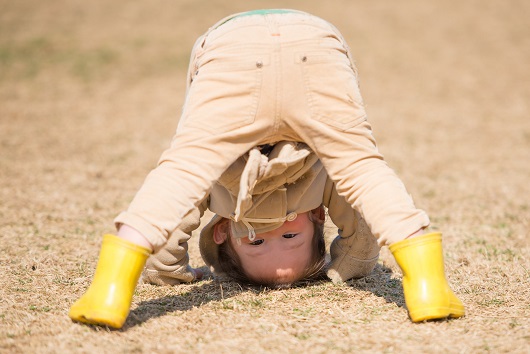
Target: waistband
[266,17]
[263,12]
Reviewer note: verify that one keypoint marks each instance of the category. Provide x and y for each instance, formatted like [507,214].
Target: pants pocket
[332,89]
[224,92]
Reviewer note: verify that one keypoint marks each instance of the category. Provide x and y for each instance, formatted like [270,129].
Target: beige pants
[261,79]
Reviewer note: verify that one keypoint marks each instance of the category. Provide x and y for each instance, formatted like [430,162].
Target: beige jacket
[258,193]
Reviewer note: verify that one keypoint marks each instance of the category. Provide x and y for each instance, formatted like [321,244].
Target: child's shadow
[198,295]
[379,282]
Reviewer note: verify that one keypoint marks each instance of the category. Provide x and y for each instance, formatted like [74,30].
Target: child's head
[295,251]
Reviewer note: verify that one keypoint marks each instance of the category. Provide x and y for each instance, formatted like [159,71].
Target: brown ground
[90,93]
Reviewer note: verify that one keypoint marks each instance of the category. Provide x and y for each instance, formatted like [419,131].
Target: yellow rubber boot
[427,293]
[108,299]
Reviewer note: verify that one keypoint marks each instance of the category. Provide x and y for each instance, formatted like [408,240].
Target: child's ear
[220,232]
[318,215]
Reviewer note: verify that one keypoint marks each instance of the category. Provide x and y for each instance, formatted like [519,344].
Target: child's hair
[231,264]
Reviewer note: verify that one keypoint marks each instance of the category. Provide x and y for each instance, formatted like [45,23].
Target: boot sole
[437,313]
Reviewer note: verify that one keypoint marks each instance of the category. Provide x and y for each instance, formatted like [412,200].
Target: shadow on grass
[379,282]
[193,295]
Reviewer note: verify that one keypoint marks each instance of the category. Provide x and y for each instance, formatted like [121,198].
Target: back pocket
[224,93]
[332,89]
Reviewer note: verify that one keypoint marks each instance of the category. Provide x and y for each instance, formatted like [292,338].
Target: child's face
[278,256]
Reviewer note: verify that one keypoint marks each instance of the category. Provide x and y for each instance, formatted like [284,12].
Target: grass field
[90,94]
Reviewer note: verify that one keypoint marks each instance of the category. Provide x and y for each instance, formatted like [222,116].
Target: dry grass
[90,93]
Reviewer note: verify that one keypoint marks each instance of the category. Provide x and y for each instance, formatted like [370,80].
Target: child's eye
[289,235]
[256,242]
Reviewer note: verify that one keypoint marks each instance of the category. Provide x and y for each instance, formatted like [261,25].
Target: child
[254,79]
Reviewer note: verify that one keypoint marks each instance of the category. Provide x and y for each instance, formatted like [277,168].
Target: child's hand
[152,275]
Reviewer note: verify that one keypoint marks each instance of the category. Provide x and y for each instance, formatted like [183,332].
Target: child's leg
[351,158]
[324,106]
[127,233]
[218,125]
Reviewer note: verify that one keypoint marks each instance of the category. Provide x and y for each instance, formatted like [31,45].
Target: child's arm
[170,265]
[354,252]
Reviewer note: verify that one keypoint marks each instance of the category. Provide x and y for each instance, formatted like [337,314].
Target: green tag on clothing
[265,12]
